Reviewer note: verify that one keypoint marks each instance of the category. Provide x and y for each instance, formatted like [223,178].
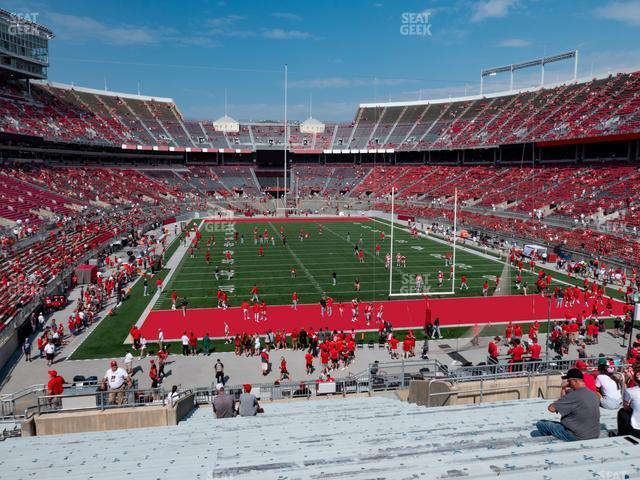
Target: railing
[481,391]
[13,405]
[92,399]
[535,366]
[380,376]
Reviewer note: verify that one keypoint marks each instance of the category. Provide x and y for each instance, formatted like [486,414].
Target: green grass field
[315,258]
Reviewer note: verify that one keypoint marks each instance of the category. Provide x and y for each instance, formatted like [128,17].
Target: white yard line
[300,264]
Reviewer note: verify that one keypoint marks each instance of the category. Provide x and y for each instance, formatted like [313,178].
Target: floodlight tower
[492,72]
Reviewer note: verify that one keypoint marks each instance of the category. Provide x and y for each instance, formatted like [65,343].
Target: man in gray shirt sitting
[248,403]
[579,410]
[223,404]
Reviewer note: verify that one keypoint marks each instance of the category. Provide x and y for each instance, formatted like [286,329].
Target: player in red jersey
[256,312]
[294,301]
[368,310]
[263,311]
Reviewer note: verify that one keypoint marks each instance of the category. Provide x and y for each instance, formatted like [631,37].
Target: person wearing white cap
[115,378]
[223,403]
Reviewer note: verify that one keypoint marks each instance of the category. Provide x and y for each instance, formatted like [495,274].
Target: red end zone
[401,313]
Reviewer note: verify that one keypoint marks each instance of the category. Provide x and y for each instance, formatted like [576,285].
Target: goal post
[285,212]
[408,287]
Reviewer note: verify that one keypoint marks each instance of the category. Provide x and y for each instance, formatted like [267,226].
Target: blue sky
[340,53]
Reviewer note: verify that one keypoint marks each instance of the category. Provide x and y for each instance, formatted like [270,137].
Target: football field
[315,249]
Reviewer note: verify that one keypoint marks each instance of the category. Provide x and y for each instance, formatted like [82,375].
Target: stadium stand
[595,108]
[355,437]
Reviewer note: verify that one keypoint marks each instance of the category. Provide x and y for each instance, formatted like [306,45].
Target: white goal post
[288,211]
[427,292]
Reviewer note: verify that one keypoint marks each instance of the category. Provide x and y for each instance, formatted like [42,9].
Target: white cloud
[626,12]
[378,5]
[281,34]
[226,20]
[76,28]
[514,43]
[491,9]
[82,28]
[196,41]
[236,33]
[287,16]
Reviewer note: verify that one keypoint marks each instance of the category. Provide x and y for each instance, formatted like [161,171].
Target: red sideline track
[401,313]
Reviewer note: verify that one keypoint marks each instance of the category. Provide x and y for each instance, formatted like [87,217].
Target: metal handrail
[131,397]
[481,391]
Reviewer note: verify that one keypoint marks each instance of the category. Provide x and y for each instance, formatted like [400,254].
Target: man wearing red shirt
[493,350]
[324,357]
[135,334]
[309,363]
[516,352]
[55,386]
[193,344]
[393,345]
[534,351]
[245,310]
[517,331]
[334,357]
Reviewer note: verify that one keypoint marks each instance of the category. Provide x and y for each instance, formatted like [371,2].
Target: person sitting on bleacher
[579,410]
[223,403]
[629,414]
[248,404]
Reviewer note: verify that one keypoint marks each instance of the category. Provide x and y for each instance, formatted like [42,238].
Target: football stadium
[294,240]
